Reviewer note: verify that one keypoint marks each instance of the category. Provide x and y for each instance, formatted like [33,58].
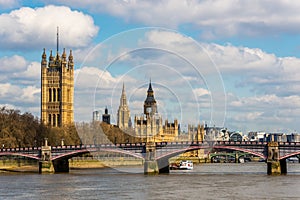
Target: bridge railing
[20,149]
[88,146]
[210,143]
[158,144]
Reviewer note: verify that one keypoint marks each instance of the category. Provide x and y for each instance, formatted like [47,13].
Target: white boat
[186,164]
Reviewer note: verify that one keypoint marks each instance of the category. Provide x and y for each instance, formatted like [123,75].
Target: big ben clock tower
[150,107]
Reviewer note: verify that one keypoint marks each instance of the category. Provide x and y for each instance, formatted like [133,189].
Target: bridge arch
[34,157]
[290,155]
[228,154]
[192,148]
[79,152]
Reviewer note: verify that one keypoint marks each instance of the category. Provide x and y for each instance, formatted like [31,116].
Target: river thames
[205,181]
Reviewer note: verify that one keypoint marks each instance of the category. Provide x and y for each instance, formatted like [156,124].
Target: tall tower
[57,88]
[124,120]
[150,107]
[106,116]
[150,123]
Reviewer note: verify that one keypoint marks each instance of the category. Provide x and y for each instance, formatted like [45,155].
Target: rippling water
[206,181]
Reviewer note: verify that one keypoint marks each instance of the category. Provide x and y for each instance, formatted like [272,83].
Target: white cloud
[30,94]
[14,94]
[18,71]
[92,77]
[12,64]
[36,28]
[201,92]
[214,18]
[7,91]
[270,113]
[32,72]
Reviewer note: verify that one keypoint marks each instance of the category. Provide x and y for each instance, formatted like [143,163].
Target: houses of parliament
[57,90]
[150,123]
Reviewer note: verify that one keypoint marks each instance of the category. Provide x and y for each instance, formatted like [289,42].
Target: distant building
[216,134]
[276,137]
[195,133]
[293,137]
[96,115]
[123,116]
[150,123]
[106,116]
[236,136]
[258,136]
[171,130]
[57,88]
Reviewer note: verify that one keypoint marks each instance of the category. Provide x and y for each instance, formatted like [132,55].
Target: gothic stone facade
[124,120]
[57,88]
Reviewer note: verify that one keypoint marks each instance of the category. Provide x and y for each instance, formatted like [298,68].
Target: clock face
[148,110]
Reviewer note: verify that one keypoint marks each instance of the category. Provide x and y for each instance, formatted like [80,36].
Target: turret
[44,59]
[51,57]
[70,62]
[64,56]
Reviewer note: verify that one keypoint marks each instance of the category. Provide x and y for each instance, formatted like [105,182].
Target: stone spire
[70,62]
[51,57]
[123,99]
[64,55]
[123,112]
[44,58]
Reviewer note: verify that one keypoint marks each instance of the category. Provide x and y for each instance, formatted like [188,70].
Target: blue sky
[227,63]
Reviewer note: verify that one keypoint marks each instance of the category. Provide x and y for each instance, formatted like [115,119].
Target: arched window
[54,94]
[50,95]
[58,94]
[49,119]
[58,120]
[68,95]
[54,120]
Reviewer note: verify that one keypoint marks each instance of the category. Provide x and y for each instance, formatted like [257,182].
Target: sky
[232,64]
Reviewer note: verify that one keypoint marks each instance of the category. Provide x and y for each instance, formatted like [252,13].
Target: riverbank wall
[28,165]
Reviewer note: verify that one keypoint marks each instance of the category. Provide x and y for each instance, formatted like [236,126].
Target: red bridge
[156,155]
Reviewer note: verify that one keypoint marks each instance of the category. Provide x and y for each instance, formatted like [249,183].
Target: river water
[205,181]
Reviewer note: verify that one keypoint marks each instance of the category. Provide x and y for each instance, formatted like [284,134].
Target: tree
[25,130]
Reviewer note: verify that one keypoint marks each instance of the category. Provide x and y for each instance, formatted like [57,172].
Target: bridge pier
[275,166]
[150,165]
[45,167]
[61,165]
[283,166]
[163,166]
[45,163]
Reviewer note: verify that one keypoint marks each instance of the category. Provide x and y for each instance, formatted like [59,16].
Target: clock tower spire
[150,107]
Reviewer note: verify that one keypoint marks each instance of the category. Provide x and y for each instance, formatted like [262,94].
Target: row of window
[54,119]
[54,107]
[54,94]
[53,81]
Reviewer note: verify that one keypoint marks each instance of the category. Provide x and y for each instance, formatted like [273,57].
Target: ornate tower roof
[150,107]
[124,120]
[150,95]
[123,99]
